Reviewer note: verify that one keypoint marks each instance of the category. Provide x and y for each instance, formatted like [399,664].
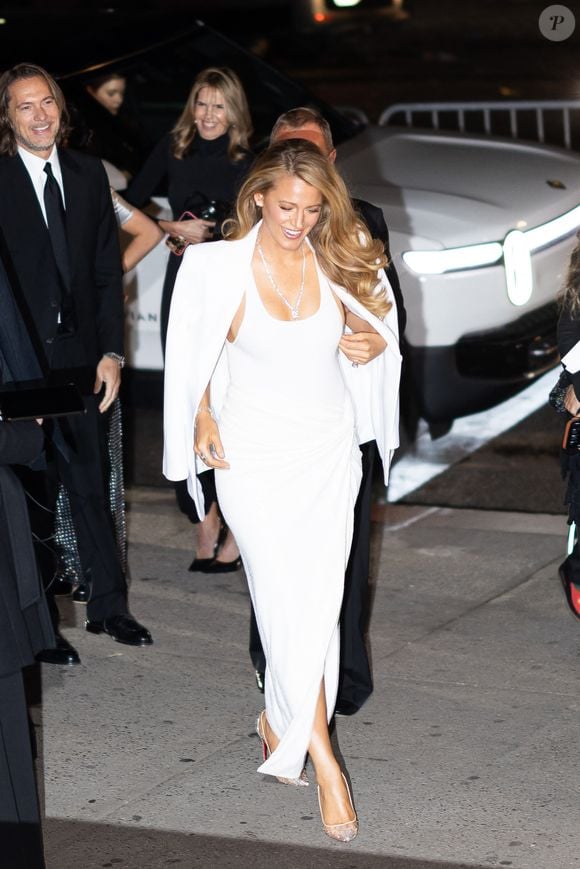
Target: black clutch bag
[571,438]
[40,402]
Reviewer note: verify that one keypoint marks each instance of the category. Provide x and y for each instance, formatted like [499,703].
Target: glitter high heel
[346,831]
[302,780]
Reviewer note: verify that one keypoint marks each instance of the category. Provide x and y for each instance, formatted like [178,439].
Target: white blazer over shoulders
[210,285]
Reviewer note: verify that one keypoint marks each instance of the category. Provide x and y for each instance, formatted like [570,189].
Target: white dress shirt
[35,168]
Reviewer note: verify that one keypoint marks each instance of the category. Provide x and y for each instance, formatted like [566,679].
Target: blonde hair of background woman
[569,296]
[347,253]
[237,112]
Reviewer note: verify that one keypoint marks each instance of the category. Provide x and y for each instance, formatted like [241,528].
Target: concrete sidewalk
[465,755]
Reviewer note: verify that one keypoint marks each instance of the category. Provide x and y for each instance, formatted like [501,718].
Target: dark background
[441,50]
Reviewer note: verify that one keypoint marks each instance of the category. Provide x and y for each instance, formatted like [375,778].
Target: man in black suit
[62,245]
[24,630]
[355,680]
[25,626]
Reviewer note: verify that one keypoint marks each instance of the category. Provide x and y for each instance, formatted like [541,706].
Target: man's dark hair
[8,144]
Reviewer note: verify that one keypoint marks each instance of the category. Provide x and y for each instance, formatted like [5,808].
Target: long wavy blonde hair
[237,112]
[346,252]
[569,295]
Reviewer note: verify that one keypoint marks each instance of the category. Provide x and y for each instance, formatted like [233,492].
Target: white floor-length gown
[288,430]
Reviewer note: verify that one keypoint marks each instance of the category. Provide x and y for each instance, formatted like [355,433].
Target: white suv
[481,232]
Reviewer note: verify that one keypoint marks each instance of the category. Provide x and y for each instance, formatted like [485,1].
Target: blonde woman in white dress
[259,387]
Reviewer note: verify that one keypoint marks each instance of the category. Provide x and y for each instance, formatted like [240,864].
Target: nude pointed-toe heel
[346,831]
[302,780]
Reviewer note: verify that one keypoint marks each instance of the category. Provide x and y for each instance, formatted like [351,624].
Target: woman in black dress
[203,160]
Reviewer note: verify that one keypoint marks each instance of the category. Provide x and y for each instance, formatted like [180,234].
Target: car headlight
[452,259]
[519,277]
[437,262]
[554,230]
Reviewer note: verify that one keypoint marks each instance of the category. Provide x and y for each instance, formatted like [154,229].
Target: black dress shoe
[63,653]
[346,707]
[122,628]
[571,590]
[216,566]
[199,565]
[61,585]
[81,593]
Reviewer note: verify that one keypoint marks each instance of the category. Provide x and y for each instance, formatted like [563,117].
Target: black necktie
[56,223]
[55,217]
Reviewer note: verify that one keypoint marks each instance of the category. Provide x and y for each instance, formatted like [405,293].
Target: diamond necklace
[292,307]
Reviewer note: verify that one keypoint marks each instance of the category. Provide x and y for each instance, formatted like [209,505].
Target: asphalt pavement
[465,754]
[517,470]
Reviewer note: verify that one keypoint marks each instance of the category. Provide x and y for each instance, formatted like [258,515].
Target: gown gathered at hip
[288,430]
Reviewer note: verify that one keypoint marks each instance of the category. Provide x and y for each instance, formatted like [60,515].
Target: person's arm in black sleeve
[393,277]
[107,272]
[229,208]
[154,170]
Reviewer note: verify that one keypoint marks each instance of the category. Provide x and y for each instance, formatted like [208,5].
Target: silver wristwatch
[117,358]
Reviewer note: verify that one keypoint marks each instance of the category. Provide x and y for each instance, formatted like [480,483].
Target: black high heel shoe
[201,565]
[223,566]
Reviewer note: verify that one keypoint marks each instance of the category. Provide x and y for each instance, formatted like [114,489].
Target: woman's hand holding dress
[362,347]
[363,343]
[207,442]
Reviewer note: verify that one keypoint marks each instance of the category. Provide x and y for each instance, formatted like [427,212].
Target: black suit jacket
[93,241]
[25,626]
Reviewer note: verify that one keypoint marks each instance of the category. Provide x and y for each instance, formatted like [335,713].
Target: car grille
[526,347]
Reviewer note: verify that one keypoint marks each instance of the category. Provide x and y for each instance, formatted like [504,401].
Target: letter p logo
[557,23]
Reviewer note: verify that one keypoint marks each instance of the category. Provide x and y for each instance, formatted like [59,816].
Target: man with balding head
[307,123]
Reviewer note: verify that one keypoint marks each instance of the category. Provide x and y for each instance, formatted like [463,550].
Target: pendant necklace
[292,307]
